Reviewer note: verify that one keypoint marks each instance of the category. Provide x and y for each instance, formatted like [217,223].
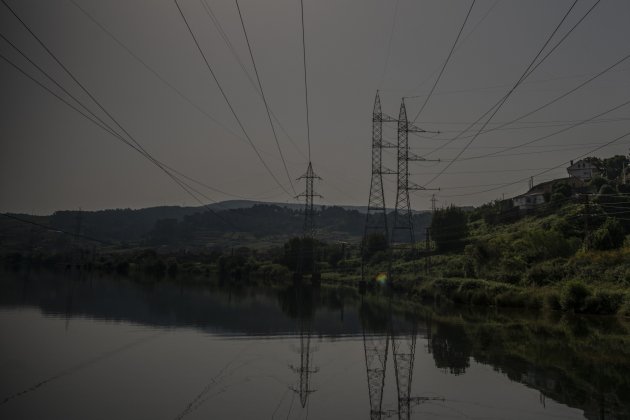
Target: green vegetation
[571,253]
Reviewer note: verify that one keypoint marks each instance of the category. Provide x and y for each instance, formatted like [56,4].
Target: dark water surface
[109,348]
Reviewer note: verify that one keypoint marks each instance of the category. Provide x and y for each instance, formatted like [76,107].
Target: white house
[582,170]
[529,200]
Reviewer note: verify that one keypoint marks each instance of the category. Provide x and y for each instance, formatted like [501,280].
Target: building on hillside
[529,200]
[536,194]
[582,170]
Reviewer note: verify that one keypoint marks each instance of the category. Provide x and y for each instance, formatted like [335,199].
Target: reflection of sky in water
[187,365]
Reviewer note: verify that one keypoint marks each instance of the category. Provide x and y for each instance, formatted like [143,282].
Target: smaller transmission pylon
[307,251]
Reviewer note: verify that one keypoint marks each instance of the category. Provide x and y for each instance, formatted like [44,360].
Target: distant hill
[238,204]
[229,223]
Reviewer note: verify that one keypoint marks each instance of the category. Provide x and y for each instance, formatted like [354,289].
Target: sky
[148,74]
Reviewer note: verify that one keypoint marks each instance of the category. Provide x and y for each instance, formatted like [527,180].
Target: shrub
[603,302]
[553,301]
[573,296]
[624,310]
[547,272]
[609,236]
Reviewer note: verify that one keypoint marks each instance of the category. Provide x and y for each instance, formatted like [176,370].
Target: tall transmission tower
[308,234]
[376,217]
[402,231]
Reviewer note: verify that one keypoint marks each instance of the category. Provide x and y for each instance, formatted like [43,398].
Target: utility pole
[587,213]
[433,201]
[308,234]
[76,241]
[427,258]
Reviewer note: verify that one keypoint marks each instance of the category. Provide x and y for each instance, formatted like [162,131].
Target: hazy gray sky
[52,158]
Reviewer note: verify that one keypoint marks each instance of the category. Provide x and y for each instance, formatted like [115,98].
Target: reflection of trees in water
[451,348]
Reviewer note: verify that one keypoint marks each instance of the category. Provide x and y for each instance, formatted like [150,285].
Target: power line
[69,73]
[502,101]
[308,125]
[461,29]
[548,135]
[565,36]
[53,229]
[238,120]
[479,22]
[275,136]
[95,119]
[153,71]
[389,44]
[539,108]
[608,143]
[228,43]
[139,148]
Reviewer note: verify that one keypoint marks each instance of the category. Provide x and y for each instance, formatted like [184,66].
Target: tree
[301,253]
[449,227]
[373,244]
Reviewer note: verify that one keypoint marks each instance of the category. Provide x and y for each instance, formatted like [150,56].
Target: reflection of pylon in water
[404,352]
[305,370]
[376,349]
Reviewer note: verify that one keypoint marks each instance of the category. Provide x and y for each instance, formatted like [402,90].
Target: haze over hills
[228,223]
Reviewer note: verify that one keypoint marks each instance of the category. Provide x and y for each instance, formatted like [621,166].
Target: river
[106,347]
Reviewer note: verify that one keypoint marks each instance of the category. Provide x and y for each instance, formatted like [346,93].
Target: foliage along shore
[571,253]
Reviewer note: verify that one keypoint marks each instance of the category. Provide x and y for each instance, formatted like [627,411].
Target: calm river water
[94,347]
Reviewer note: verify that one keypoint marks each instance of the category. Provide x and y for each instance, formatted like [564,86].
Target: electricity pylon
[402,231]
[376,217]
[308,233]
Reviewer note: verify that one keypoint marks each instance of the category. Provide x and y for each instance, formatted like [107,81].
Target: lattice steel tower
[376,218]
[402,231]
[309,208]
[308,234]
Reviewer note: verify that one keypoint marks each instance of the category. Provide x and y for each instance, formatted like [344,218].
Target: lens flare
[381,278]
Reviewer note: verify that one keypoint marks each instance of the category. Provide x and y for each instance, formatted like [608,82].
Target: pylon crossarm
[389,119]
[417,158]
[415,187]
[412,128]
[388,145]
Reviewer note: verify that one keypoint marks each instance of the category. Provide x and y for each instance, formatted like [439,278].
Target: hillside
[231,223]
